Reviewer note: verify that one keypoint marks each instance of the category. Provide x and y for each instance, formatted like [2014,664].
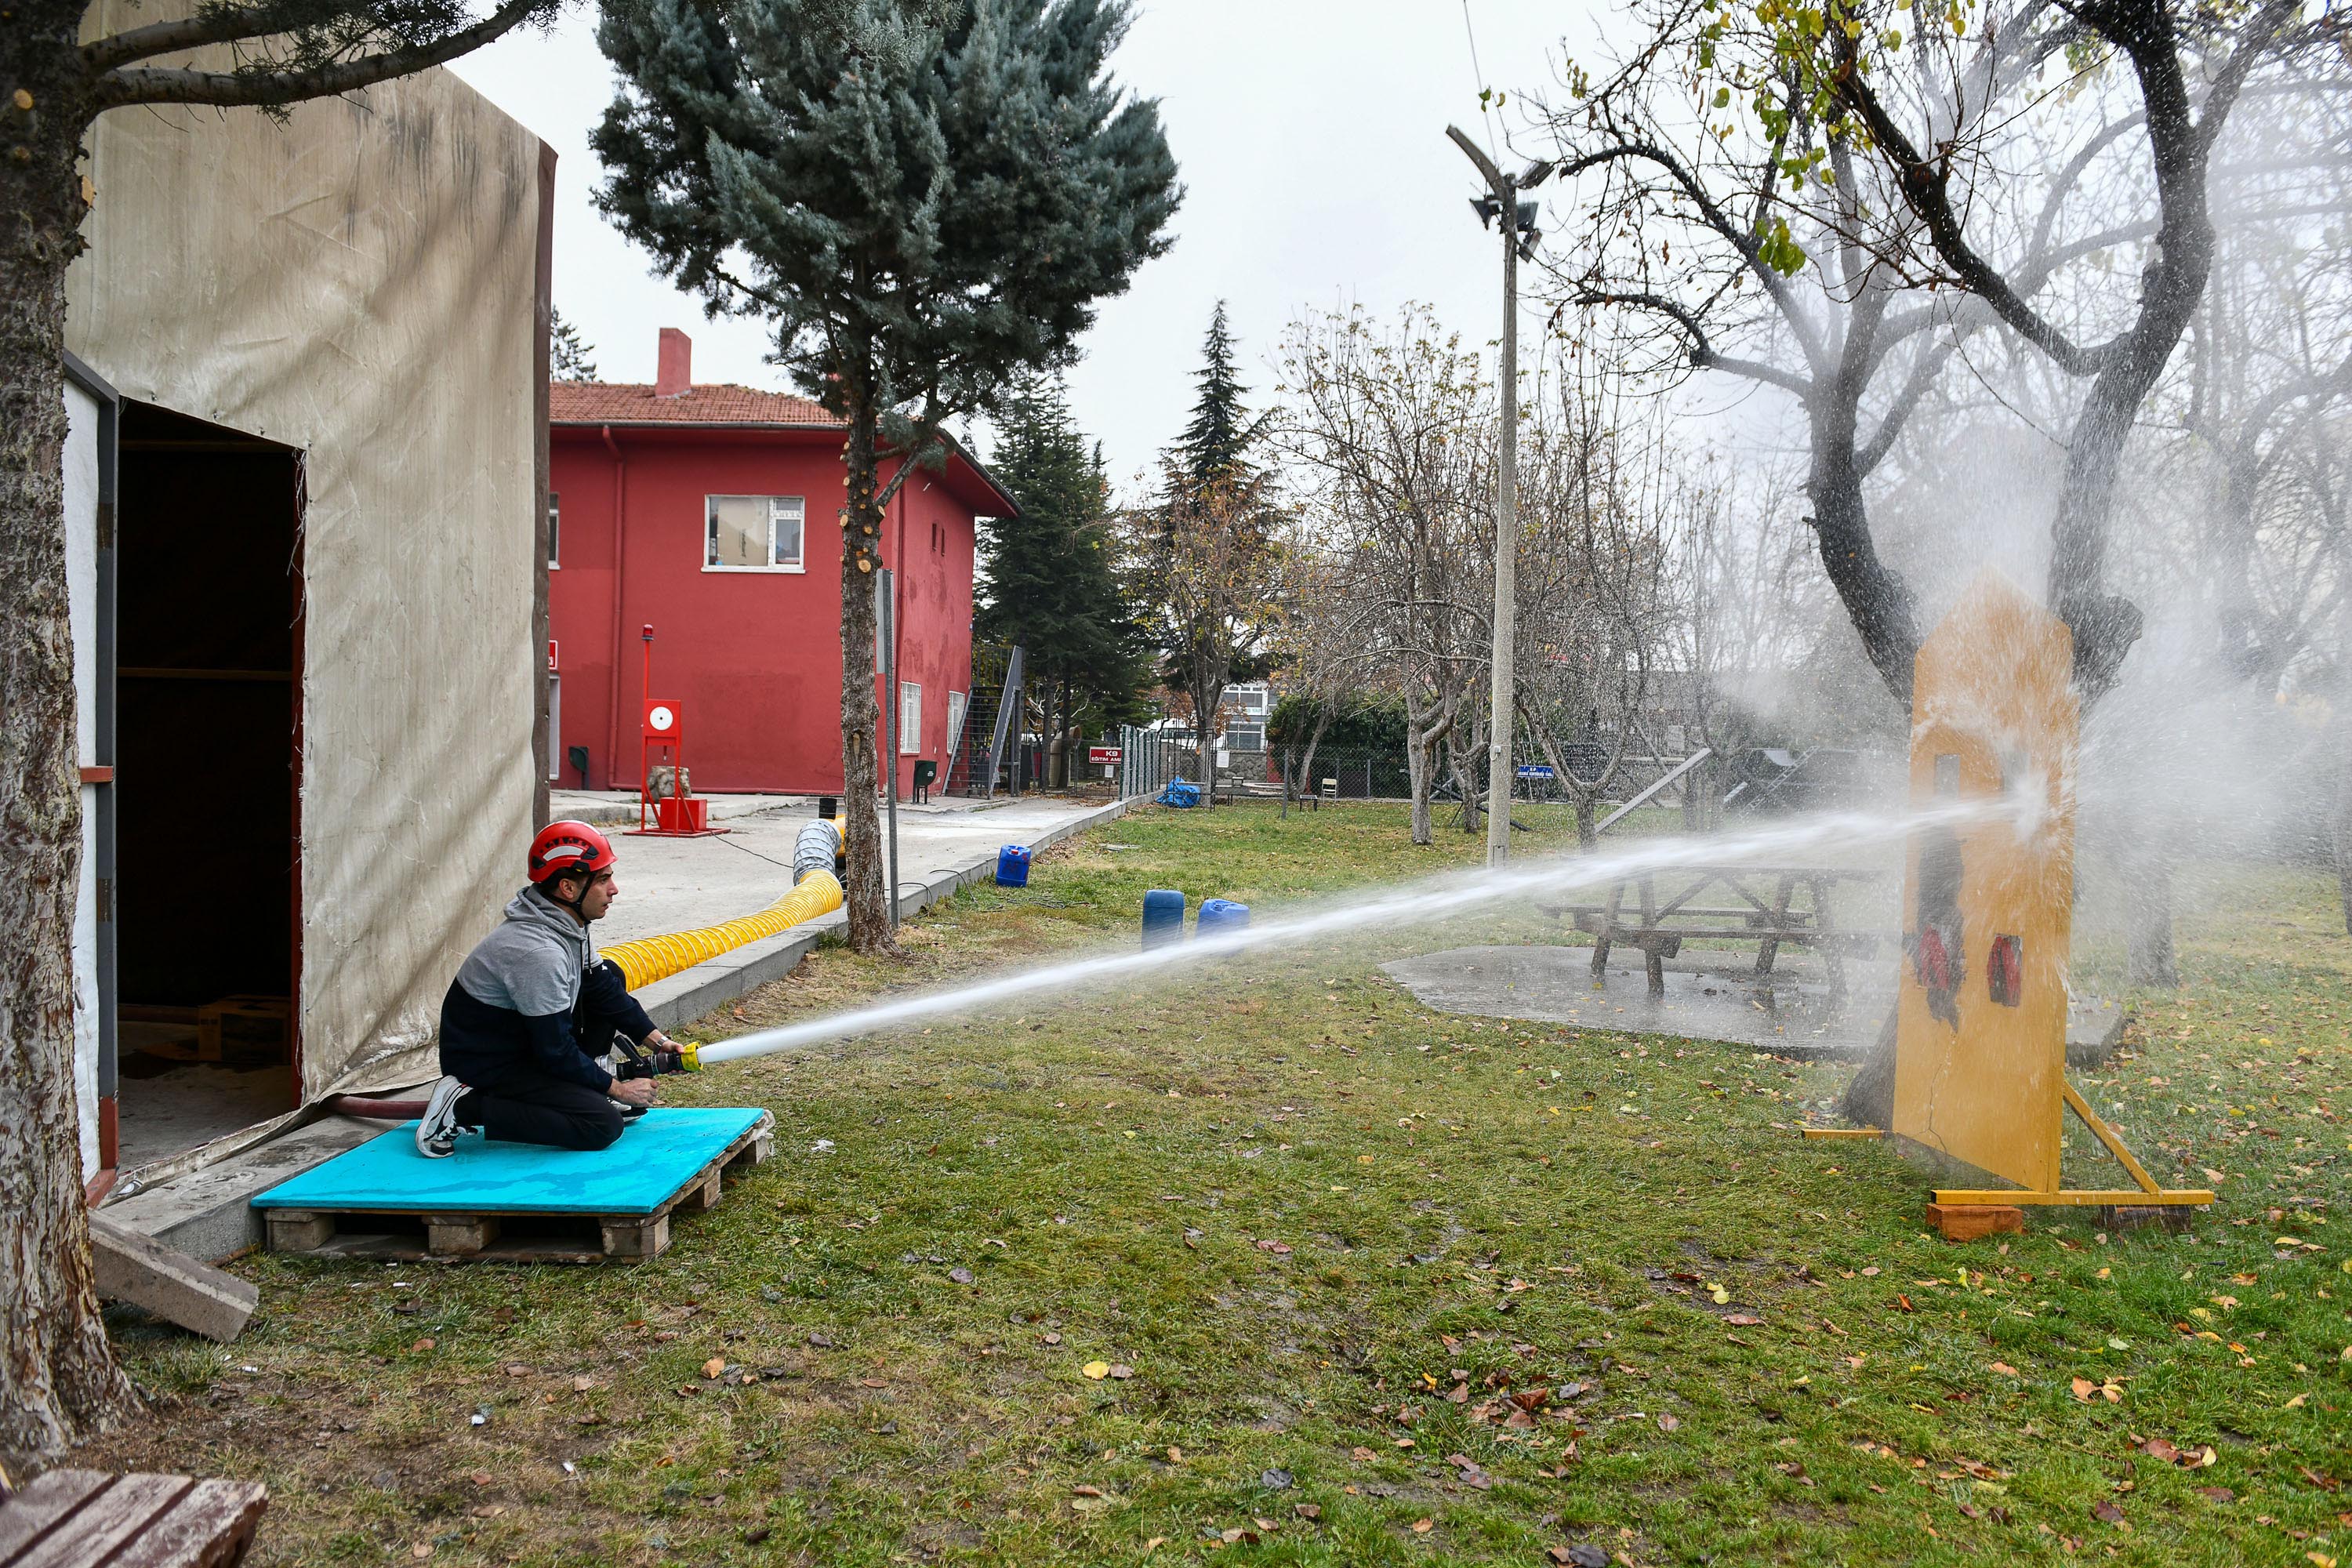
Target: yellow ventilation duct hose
[660,957]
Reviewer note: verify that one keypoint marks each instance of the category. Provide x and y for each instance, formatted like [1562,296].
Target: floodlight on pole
[1519,238]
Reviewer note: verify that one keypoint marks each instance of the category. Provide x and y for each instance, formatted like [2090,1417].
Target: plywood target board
[1981,1042]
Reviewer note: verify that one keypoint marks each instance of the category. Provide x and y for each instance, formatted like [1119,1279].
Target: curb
[713,983]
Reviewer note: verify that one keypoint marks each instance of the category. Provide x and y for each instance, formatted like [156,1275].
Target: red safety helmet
[563,847]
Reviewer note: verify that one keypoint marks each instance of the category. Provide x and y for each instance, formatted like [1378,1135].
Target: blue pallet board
[654,1157]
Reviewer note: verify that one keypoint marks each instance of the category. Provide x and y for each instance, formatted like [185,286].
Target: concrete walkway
[677,884]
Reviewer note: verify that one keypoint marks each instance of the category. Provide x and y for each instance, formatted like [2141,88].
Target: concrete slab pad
[206,1213]
[1790,1015]
[1710,997]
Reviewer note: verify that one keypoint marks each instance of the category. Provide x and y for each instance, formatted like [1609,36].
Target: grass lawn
[1264,1263]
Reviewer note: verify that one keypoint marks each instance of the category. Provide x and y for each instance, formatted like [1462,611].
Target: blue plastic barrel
[1012,866]
[1163,917]
[1218,915]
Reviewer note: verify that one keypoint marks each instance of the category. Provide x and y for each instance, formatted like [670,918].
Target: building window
[554,531]
[910,718]
[753,533]
[958,703]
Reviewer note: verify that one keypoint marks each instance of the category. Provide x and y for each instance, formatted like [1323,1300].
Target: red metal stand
[662,742]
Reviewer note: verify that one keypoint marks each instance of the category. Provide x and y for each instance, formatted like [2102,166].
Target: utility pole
[1519,236]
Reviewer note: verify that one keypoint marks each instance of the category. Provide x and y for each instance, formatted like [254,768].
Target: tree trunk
[1585,836]
[1876,600]
[864,895]
[1472,799]
[1208,695]
[1304,780]
[58,1379]
[2344,805]
[1417,770]
[2145,869]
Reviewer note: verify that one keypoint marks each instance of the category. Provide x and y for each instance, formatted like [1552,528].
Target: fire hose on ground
[815,891]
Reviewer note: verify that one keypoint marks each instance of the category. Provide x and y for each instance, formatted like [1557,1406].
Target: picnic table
[81,1518]
[1634,915]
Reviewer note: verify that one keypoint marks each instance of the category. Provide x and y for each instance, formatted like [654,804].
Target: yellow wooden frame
[2145,1194]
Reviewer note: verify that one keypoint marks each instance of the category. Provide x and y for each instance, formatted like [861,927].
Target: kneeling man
[513,1023]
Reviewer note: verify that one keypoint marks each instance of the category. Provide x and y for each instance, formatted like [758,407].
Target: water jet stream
[1421,900]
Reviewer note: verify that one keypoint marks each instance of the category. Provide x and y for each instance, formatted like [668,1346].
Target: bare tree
[1211,567]
[1387,430]
[1602,605]
[1887,183]
[1319,656]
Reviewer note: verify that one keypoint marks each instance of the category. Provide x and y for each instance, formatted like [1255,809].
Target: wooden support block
[39,1505]
[461,1235]
[210,1527]
[705,1197]
[136,1268]
[67,1519]
[762,1150]
[1967,1222]
[635,1238]
[299,1230]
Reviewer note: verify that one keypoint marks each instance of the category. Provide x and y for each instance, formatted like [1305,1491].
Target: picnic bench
[1635,916]
[1229,787]
[82,1518]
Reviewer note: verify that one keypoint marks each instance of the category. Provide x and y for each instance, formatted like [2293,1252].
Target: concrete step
[205,1213]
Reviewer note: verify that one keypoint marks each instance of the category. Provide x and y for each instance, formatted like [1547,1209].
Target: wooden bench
[1767,919]
[83,1518]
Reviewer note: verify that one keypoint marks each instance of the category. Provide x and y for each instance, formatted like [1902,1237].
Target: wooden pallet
[442,1236]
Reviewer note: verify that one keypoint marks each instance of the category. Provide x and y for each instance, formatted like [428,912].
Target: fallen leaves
[2086,1391]
[1580,1556]
[1098,1369]
[2106,1512]
[714,1366]
[1743,1320]
[2194,1457]
[2006,1370]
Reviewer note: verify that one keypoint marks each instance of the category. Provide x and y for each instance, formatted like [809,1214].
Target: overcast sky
[1310,136]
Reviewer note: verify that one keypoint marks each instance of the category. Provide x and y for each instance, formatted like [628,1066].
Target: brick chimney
[675,376]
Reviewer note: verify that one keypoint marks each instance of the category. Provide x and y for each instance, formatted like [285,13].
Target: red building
[712,514]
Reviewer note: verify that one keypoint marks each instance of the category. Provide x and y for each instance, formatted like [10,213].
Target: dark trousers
[526,1107]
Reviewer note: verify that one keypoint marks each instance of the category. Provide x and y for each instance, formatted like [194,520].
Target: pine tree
[922,197]
[1214,568]
[1050,580]
[1221,436]
[567,356]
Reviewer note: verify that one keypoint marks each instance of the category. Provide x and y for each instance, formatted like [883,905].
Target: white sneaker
[437,1130]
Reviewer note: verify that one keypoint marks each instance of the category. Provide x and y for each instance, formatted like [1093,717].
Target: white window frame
[910,735]
[555,533]
[793,568]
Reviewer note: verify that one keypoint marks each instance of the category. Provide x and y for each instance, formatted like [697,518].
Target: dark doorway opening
[208,665]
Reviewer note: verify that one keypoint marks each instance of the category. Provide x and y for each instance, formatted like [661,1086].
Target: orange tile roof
[621,402]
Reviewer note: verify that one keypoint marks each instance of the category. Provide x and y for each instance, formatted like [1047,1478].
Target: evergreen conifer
[924,198]
[1050,579]
[568,354]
